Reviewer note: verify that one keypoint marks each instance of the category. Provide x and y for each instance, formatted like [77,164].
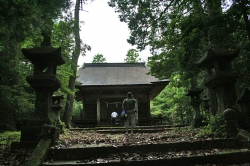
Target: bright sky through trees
[104,32]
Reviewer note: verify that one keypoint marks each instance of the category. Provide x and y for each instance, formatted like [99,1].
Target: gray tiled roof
[115,74]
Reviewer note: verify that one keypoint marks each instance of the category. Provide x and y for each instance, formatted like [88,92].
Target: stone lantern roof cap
[44,55]
[213,55]
[194,92]
[58,96]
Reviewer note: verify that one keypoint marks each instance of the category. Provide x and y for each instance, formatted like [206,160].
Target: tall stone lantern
[44,82]
[221,79]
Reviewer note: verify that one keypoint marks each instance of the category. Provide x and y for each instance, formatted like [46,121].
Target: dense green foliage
[178,34]
[173,104]
[216,127]
[7,137]
[78,106]
[23,23]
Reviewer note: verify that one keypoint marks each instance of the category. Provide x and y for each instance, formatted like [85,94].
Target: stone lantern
[239,119]
[44,82]
[221,79]
[195,103]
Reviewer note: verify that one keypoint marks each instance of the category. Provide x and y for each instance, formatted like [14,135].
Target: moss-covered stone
[244,137]
[39,153]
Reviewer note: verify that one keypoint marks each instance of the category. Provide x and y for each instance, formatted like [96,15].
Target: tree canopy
[132,56]
[99,58]
[24,24]
[179,32]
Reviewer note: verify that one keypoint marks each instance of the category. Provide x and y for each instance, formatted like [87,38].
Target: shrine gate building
[104,86]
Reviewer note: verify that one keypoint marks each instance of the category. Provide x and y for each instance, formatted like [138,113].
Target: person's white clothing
[114,115]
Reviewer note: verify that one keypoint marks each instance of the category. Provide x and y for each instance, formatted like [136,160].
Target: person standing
[114,115]
[129,105]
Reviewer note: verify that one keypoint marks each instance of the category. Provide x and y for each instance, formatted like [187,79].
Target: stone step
[227,157]
[138,129]
[88,155]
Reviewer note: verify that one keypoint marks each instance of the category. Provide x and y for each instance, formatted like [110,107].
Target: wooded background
[178,33]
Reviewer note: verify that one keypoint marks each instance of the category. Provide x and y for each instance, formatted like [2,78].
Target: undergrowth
[216,127]
[6,138]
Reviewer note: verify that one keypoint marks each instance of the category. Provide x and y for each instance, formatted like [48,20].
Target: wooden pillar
[98,111]
[148,103]
[83,110]
[83,115]
[136,107]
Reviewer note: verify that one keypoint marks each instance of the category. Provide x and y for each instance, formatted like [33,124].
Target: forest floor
[92,138]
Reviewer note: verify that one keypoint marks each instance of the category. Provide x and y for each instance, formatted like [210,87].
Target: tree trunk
[181,115]
[245,17]
[70,97]
[215,33]
[70,103]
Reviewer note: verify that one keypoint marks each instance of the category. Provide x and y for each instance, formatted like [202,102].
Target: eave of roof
[115,74]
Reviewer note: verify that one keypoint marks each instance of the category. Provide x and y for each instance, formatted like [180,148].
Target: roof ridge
[139,64]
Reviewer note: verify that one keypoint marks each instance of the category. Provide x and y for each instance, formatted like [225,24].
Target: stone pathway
[162,145]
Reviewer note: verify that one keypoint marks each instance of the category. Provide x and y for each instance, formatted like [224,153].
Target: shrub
[6,138]
[216,127]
